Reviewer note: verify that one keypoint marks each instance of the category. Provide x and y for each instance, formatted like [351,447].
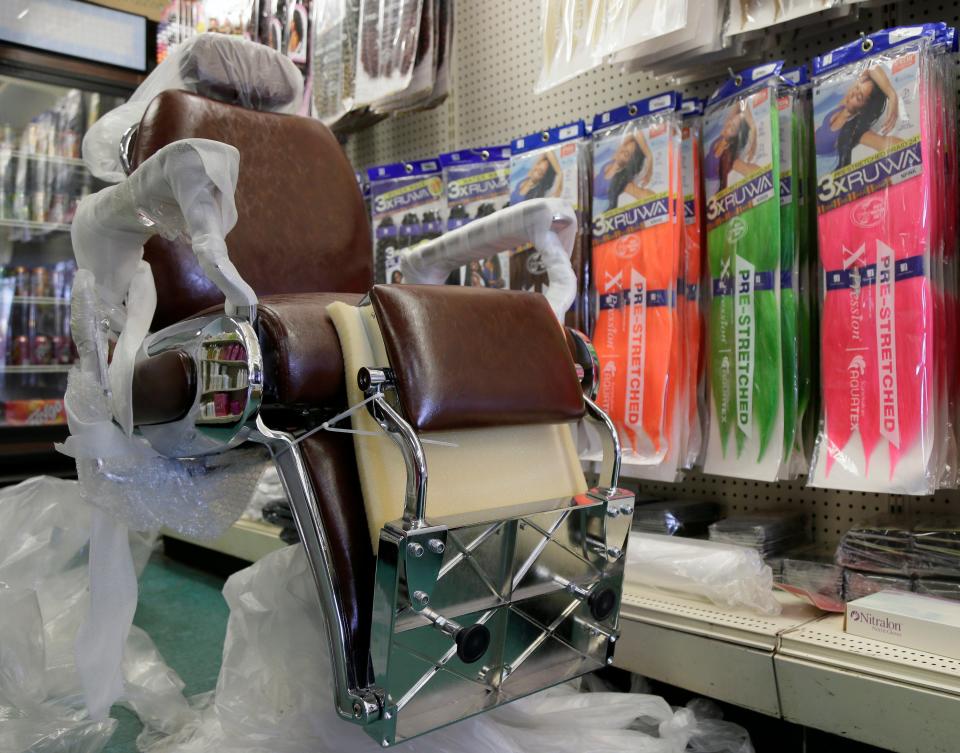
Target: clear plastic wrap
[857,585]
[424,74]
[389,36]
[770,533]
[700,31]
[821,583]
[406,207]
[629,23]
[183,190]
[274,694]
[43,599]
[477,183]
[878,210]
[923,548]
[216,65]
[637,262]
[791,187]
[693,389]
[554,164]
[677,517]
[729,576]
[938,587]
[754,15]
[550,225]
[336,24]
[441,83]
[741,168]
[569,34]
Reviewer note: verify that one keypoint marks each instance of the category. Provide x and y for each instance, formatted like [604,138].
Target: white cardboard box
[905,619]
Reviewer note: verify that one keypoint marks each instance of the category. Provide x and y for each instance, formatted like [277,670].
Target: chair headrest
[228,69]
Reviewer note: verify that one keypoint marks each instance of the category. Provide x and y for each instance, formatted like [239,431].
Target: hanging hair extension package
[424,73]
[389,35]
[637,264]
[693,388]
[878,214]
[756,15]
[477,183]
[791,188]
[334,57]
[569,34]
[406,207]
[553,164]
[741,166]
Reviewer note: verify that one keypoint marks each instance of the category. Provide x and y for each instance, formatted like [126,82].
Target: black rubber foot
[472,643]
[602,602]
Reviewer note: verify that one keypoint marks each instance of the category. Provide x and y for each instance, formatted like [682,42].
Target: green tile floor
[182,609]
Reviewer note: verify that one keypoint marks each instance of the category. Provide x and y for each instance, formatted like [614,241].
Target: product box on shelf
[909,620]
[41,412]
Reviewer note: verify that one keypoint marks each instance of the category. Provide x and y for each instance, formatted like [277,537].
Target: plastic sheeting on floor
[273,692]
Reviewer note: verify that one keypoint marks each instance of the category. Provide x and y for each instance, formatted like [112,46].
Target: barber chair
[438,606]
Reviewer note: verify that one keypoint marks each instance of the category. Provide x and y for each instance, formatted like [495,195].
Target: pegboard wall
[496,61]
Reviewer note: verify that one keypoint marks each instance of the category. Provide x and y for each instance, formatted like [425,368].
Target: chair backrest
[302,225]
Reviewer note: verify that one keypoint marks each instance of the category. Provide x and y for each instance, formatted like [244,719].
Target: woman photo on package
[733,151]
[851,123]
[544,180]
[627,172]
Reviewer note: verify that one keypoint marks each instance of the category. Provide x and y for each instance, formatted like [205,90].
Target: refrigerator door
[42,179]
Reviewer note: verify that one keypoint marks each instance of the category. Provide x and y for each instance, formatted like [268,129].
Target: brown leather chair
[302,242]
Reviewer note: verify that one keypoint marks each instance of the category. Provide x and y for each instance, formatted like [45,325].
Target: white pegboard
[496,61]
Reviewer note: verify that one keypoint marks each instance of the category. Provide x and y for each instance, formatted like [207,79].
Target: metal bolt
[357,710]
[615,552]
[612,512]
[613,639]
[387,715]
[421,598]
[609,660]
[594,632]
[436,546]
[626,509]
[415,549]
[385,744]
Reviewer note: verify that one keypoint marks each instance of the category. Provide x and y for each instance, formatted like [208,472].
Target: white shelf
[826,643]
[28,225]
[51,158]
[721,653]
[232,419]
[880,694]
[41,300]
[800,666]
[31,369]
[247,539]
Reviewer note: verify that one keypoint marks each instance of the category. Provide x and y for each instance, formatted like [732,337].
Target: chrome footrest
[473,611]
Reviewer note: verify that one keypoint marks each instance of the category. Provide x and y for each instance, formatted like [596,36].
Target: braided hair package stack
[741,165]
[406,207]
[638,238]
[881,214]
[477,183]
[553,164]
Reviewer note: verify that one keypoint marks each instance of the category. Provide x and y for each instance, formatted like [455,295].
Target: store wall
[496,63]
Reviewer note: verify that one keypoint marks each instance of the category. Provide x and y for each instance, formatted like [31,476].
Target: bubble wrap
[198,497]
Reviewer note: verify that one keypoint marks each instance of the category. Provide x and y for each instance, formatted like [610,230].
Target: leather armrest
[472,357]
[164,388]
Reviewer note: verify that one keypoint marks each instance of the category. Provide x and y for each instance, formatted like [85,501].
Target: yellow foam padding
[488,468]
